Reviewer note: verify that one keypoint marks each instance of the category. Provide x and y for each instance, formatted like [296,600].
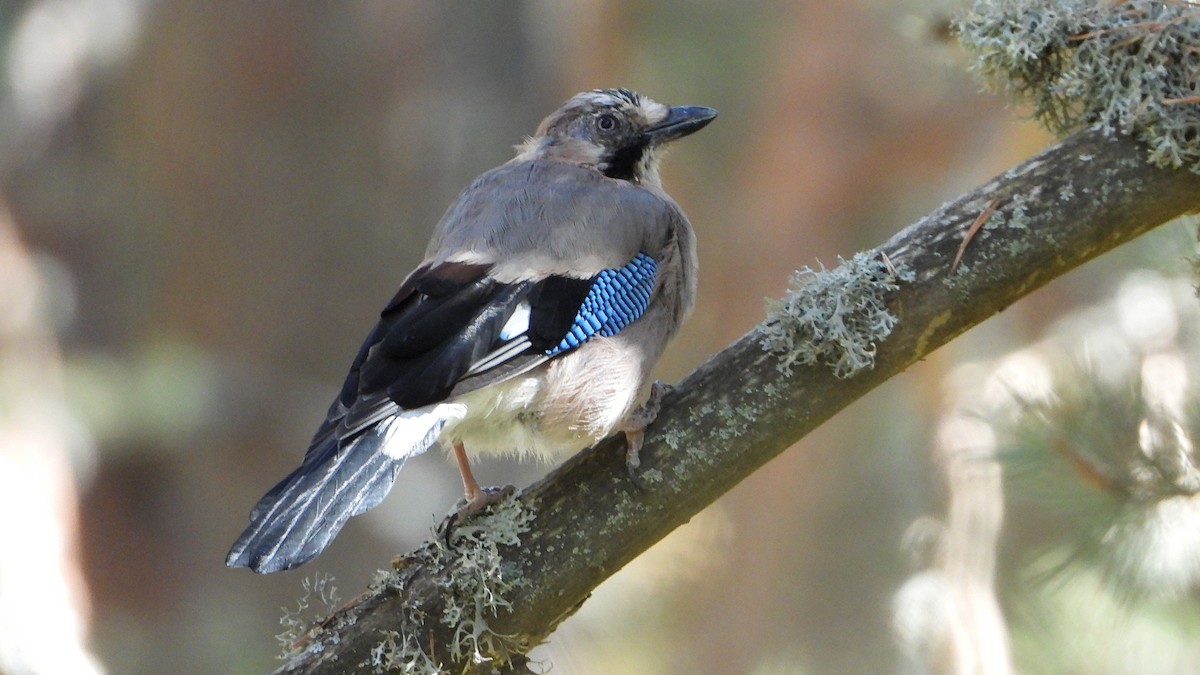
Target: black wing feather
[429,319]
[444,319]
[429,377]
[553,305]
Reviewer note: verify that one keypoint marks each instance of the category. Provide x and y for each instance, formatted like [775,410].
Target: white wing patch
[518,323]
[418,429]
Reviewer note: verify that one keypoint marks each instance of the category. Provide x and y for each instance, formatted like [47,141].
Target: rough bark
[1072,202]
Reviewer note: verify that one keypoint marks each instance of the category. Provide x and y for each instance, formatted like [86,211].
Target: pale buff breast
[562,407]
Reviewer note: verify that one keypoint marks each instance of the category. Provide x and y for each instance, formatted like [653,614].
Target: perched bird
[548,292]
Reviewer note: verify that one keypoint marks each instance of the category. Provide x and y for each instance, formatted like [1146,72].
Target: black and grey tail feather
[298,518]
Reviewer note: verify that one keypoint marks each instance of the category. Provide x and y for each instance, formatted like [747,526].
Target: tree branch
[1074,201]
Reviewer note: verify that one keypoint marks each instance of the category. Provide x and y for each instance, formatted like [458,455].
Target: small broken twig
[973,230]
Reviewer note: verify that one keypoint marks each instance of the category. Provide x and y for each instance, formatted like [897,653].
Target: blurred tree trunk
[1013,234]
[44,603]
[947,616]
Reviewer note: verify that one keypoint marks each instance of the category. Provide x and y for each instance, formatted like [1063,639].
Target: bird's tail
[338,479]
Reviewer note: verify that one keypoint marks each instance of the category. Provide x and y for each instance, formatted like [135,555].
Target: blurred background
[204,205]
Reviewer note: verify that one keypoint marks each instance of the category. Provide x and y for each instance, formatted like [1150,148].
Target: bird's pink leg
[478,498]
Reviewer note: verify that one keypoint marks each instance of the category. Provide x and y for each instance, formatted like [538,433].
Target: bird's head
[616,131]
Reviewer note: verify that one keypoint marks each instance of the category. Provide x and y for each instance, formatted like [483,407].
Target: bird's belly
[558,409]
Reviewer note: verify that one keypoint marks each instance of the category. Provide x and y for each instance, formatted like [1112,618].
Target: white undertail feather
[412,432]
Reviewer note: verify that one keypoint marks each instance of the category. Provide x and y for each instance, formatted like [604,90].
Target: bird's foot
[482,499]
[634,429]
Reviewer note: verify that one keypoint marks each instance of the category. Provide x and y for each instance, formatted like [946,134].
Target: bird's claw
[485,498]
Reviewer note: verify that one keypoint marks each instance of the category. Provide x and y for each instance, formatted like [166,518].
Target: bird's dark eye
[606,122]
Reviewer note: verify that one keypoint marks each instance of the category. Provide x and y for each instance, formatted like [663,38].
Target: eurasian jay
[548,292]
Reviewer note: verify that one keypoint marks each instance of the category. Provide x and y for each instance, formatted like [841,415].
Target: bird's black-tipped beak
[681,121]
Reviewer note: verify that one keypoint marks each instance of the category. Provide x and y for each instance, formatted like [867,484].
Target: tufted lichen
[295,625]
[833,317]
[478,584]
[1129,67]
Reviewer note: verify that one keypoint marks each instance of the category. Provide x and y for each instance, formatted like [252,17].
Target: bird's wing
[457,329]
[443,320]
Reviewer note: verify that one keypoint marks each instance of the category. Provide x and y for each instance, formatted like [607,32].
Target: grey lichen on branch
[1123,67]
[833,317]
[473,582]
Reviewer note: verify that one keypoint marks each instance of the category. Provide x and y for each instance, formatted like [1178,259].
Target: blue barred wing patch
[617,297]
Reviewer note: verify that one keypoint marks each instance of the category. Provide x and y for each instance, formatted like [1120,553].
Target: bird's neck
[580,153]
